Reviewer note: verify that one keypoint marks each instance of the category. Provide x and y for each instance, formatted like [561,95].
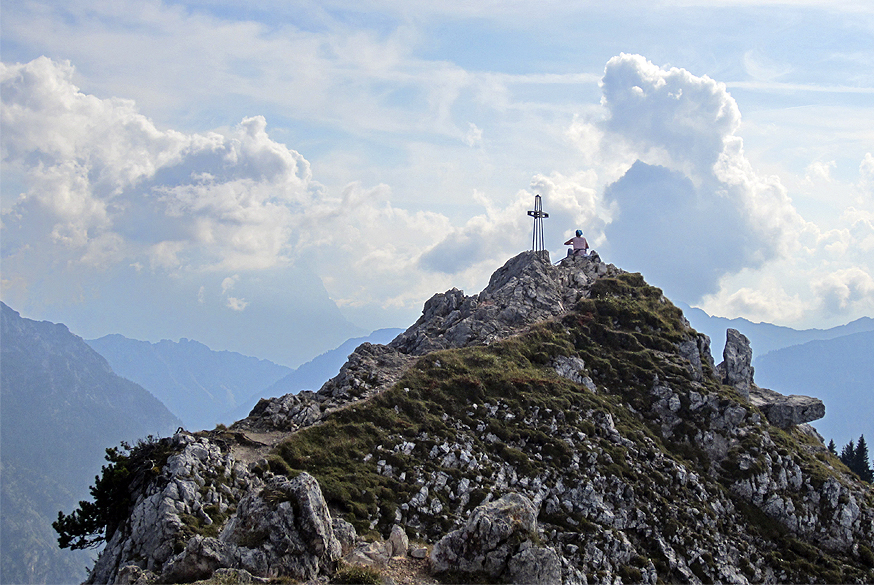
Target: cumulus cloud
[819,171]
[767,302]
[104,182]
[690,208]
[844,288]
[671,116]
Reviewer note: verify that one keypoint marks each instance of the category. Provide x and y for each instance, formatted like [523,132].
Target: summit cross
[538,214]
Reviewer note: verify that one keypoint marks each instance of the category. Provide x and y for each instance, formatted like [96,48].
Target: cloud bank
[234,219]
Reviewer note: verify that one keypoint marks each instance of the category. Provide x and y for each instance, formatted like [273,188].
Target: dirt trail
[257,446]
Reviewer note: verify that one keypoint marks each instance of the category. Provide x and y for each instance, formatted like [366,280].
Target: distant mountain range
[62,406]
[765,337]
[197,384]
[204,387]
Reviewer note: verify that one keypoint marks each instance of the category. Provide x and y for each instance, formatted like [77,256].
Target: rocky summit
[565,425]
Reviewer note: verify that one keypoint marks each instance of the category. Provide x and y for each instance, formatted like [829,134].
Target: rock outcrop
[527,289]
[736,368]
[206,511]
[786,411]
[497,542]
[780,410]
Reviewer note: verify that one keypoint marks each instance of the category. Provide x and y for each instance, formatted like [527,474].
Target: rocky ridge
[564,425]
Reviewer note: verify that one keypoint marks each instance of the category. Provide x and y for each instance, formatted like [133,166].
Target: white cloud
[105,182]
[229,282]
[820,171]
[474,136]
[672,117]
[691,209]
[844,288]
[105,186]
[236,304]
[765,303]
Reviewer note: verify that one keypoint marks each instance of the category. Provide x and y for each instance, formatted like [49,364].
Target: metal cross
[538,215]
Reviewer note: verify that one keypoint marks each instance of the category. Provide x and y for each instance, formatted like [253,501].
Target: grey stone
[484,544]
[786,411]
[534,566]
[398,542]
[345,535]
[570,367]
[419,552]
[527,289]
[736,368]
[134,575]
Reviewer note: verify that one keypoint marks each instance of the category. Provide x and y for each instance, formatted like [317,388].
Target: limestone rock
[289,521]
[370,368]
[527,289]
[786,411]
[398,541]
[534,565]
[572,368]
[134,575]
[345,535]
[486,544]
[780,410]
[736,368]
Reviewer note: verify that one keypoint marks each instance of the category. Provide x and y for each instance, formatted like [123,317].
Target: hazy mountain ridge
[840,371]
[564,425]
[197,384]
[61,407]
[766,337]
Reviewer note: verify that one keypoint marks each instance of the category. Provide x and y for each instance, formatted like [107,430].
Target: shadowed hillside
[61,407]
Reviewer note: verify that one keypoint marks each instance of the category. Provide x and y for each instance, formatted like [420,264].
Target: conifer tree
[831,447]
[861,466]
[848,454]
[855,456]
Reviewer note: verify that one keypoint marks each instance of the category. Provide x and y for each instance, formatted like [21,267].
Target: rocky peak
[736,368]
[525,290]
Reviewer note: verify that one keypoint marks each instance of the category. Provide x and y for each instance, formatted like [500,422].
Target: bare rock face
[736,368]
[497,541]
[370,369]
[268,528]
[283,529]
[200,477]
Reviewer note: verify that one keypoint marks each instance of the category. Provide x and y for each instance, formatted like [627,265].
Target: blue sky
[277,178]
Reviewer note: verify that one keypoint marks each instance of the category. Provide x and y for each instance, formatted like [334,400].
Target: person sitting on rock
[581,246]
